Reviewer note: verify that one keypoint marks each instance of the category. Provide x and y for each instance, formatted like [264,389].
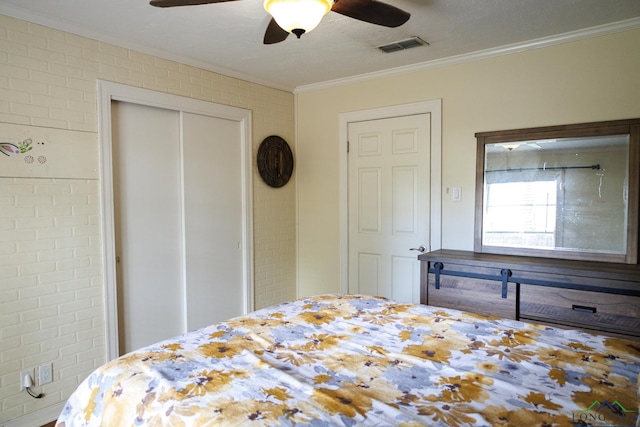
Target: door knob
[421,248]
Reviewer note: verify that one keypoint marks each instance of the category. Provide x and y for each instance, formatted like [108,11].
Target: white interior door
[179,218]
[389,212]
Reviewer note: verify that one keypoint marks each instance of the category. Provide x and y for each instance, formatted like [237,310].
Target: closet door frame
[108,92]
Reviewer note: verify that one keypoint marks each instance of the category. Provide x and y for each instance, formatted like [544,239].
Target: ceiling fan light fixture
[298,16]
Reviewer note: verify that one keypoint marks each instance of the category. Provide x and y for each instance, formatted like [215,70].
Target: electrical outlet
[45,374]
[23,375]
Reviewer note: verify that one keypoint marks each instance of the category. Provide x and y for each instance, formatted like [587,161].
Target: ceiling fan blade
[172,3]
[372,11]
[274,33]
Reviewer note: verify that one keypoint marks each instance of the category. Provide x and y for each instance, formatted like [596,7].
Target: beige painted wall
[51,301]
[589,80]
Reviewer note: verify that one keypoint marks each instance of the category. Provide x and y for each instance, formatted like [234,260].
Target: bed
[346,360]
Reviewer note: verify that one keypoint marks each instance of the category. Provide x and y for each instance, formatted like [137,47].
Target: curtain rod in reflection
[544,168]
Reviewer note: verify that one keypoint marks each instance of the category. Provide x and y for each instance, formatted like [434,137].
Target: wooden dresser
[595,296]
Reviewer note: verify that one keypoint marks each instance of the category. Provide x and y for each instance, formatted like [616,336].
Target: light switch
[456,194]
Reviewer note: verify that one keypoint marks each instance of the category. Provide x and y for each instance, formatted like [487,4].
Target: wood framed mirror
[566,191]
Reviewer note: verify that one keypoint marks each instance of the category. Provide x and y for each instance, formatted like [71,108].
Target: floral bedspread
[357,360]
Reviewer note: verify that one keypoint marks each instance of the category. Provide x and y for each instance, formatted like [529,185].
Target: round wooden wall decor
[275,161]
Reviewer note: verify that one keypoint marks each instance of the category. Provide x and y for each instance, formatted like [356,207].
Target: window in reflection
[521,214]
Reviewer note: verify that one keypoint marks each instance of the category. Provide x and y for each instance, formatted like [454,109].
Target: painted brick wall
[51,296]
[50,273]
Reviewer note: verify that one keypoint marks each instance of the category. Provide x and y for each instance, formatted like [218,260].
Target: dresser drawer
[613,313]
[475,295]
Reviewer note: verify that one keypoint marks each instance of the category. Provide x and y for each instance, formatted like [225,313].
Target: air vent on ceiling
[403,45]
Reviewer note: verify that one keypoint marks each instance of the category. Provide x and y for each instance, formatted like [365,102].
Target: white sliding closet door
[148,217]
[213,219]
[178,216]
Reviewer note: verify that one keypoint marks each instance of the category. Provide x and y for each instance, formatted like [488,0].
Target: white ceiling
[227,37]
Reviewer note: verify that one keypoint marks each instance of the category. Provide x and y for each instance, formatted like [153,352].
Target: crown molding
[600,30]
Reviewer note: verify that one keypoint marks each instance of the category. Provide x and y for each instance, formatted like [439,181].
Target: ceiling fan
[301,16]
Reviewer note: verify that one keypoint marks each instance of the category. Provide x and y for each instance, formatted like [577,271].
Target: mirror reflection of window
[521,214]
[568,194]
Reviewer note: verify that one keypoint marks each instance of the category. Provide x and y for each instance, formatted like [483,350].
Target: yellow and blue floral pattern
[347,360]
